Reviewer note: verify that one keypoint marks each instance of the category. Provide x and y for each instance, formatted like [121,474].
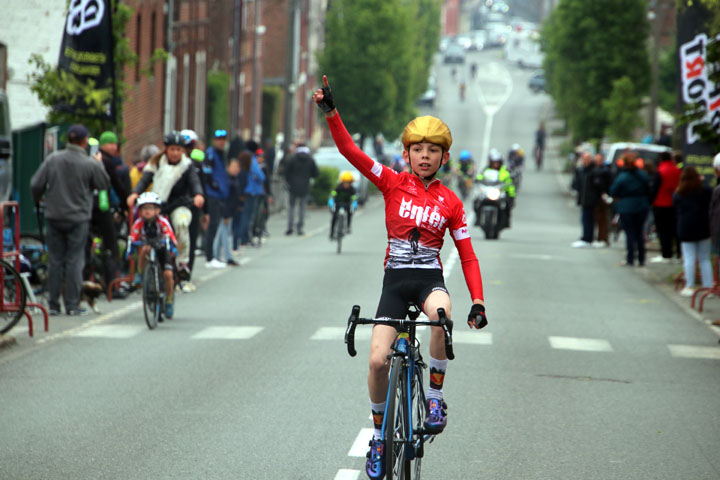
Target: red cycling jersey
[416,216]
[137,231]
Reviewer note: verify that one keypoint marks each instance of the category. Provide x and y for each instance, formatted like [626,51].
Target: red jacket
[669,175]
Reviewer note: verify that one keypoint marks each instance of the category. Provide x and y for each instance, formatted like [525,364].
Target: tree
[622,110]
[377,58]
[588,46]
[53,87]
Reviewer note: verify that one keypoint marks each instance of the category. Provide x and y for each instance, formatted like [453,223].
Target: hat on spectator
[220,133]
[77,132]
[716,162]
[108,137]
[259,152]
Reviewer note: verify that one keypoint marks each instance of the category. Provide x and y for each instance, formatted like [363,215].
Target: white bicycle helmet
[149,197]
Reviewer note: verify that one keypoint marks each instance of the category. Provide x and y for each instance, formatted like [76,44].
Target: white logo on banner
[84,15]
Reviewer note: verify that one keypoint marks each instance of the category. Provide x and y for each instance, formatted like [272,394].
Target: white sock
[377,408]
[436,367]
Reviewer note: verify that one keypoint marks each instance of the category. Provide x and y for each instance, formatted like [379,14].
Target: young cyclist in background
[149,226]
[418,211]
[343,196]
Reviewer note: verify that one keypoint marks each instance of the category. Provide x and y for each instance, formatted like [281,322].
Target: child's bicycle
[153,289]
[403,433]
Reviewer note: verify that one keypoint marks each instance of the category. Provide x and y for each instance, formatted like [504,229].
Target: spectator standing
[245,162]
[715,209]
[270,155]
[692,205]
[665,183]
[601,179]
[146,152]
[67,178]
[631,188]
[262,212]
[216,191]
[195,150]
[254,189]
[583,184]
[221,244]
[299,169]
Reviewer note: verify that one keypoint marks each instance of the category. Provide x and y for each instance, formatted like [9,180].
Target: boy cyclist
[143,233]
[343,196]
[418,211]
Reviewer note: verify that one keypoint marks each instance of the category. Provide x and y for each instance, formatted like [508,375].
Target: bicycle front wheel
[340,231]
[14,297]
[151,296]
[397,424]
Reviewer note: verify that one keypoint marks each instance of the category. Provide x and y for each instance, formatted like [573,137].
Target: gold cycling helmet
[346,176]
[427,129]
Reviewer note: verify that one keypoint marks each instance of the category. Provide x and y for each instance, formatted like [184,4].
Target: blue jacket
[632,191]
[255,179]
[216,177]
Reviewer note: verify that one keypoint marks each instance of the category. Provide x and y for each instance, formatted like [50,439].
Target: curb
[7,341]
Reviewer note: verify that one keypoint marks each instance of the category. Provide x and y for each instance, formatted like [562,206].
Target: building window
[138,50]
[153,18]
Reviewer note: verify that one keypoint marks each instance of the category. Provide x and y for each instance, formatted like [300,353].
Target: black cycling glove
[326,104]
[477,317]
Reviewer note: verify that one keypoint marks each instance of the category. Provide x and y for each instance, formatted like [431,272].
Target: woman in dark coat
[692,209]
[631,188]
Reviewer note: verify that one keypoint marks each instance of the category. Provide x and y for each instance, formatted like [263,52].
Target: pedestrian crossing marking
[360,445]
[345,474]
[694,351]
[338,333]
[117,330]
[584,344]
[227,333]
[474,338]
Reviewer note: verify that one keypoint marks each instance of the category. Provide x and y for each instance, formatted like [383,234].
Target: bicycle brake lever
[350,332]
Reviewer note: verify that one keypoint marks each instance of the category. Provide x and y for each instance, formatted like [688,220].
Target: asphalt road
[585,371]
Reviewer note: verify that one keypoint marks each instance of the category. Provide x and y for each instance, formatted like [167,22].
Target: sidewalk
[660,275]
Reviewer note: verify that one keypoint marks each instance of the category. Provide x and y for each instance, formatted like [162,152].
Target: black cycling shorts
[402,286]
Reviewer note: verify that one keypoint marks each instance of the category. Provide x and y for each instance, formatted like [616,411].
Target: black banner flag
[86,51]
[695,86]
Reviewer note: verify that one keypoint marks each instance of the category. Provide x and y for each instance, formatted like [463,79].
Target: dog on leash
[90,292]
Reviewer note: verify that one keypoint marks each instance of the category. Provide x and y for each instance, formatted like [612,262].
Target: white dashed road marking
[110,331]
[584,344]
[345,474]
[227,333]
[694,351]
[473,338]
[338,333]
[360,445]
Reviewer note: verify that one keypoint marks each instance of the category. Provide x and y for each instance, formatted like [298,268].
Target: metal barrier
[13,257]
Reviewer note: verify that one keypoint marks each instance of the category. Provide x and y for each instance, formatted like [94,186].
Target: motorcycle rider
[495,162]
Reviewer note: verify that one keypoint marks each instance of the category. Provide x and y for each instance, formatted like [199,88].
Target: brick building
[143,109]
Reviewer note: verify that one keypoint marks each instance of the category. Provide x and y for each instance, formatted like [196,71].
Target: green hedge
[324,183]
[218,101]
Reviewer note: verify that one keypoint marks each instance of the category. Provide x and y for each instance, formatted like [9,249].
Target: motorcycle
[490,205]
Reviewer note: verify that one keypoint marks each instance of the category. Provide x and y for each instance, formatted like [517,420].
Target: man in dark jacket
[299,169]
[586,199]
[67,179]
[601,180]
[216,190]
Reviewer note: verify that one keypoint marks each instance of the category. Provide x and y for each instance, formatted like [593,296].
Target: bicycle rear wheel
[14,297]
[397,426]
[151,296]
[340,230]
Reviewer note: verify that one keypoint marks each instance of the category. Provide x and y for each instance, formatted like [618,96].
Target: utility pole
[291,74]
[654,17]
[255,116]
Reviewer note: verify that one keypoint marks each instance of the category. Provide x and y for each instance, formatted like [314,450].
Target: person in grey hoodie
[299,169]
[67,178]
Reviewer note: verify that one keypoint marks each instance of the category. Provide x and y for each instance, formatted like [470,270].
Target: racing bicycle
[340,227]
[403,433]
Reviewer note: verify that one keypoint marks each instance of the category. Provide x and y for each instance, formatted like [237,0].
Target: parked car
[427,98]
[537,82]
[331,157]
[454,53]
[649,152]
[5,149]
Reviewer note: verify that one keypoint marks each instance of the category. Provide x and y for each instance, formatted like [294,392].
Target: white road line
[450,263]
[345,474]
[584,344]
[694,351]
[338,333]
[473,338]
[227,333]
[96,321]
[360,445]
[118,330]
[531,256]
